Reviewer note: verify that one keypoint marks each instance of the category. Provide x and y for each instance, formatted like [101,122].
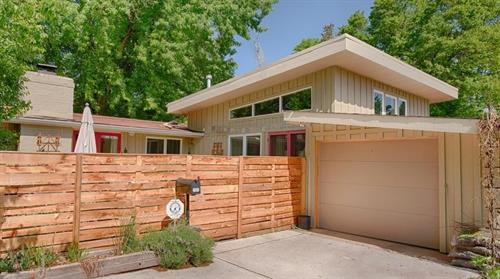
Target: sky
[290,22]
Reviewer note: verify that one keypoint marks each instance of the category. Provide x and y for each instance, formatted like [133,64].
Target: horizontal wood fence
[54,199]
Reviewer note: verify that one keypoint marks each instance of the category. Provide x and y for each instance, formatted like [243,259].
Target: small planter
[91,268]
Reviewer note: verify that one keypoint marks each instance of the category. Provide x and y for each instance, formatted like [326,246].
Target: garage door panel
[382,189]
[398,151]
[383,225]
[406,200]
[380,173]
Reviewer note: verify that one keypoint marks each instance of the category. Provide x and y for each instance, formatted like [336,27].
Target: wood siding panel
[333,90]
[356,94]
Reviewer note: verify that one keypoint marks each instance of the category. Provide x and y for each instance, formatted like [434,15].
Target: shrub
[41,257]
[179,245]
[8,263]
[75,254]
[27,258]
[8,139]
[481,262]
[493,273]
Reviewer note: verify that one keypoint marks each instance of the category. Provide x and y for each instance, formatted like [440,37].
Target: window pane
[173,146]
[109,144]
[298,145]
[279,145]
[236,146]
[253,146]
[377,102]
[155,146]
[390,105]
[241,112]
[402,107]
[297,101]
[267,107]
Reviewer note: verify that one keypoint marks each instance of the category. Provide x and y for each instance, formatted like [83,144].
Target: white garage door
[382,189]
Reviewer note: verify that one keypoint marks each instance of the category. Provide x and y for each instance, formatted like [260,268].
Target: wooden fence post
[78,198]
[240,195]
[2,197]
[273,181]
[303,194]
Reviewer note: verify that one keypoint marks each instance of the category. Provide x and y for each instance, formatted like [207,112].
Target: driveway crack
[242,267]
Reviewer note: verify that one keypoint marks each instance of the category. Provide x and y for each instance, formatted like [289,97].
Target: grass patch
[128,240]
[75,254]
[179,245]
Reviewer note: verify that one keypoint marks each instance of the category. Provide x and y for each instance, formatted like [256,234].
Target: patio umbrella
[86,138]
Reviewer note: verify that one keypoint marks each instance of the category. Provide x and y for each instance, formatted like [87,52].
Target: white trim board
[432,124]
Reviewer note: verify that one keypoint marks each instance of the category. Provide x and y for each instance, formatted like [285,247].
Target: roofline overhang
[344,51]
[115,128]
[431,124]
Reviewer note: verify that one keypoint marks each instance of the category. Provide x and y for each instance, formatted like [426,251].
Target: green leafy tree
[131,57]
[456,41]
[128,58]
[357,25]
[20,47]
[327,34]
[306,43]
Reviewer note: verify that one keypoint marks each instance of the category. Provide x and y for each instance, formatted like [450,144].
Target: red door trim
[288,135]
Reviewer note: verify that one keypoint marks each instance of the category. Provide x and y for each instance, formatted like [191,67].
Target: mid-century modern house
[50,125]
[377,164]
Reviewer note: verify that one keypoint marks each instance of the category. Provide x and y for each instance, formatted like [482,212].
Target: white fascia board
[431,124]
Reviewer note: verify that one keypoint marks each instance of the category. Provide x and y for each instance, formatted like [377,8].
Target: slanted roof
[117,124]
[345,51]
[432,124]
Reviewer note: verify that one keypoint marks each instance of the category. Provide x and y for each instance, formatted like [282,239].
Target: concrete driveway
[303,254]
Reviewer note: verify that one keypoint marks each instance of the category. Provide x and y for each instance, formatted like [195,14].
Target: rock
[482,251]
[466,255]
[462,263]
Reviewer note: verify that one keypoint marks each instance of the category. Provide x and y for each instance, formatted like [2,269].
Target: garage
[382,189]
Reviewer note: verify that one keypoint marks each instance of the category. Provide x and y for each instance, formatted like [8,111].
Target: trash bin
[304,222]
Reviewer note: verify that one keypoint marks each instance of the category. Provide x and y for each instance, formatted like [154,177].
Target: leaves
[455,41]
[20,38]
[128,58]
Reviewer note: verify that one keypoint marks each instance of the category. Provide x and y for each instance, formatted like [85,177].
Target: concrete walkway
[302,254]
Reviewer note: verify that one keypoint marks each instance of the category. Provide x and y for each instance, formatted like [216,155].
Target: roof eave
[115,128]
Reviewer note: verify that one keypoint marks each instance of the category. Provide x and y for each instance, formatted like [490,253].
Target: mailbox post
[187,187]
